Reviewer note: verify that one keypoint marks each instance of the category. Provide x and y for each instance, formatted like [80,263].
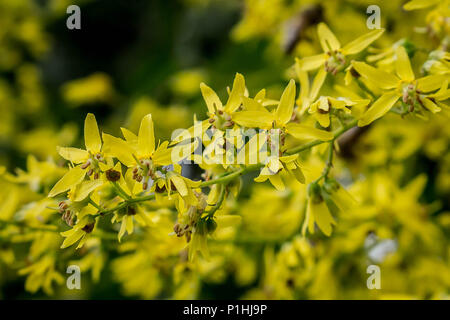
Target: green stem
[94,204]
[328,163]
[219,201]
[229,177]
[120,191]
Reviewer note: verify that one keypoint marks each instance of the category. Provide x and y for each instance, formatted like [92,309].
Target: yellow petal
[286,106]
[213,102]
[322,217]
[379,108]
[304,81]
[163,156]
[118,148]
[129,136]
[146,137]
[130,225]
[298,174]
[442,94]
[362,42]
[196,131]
[252,105]
[180,185]
[323,119]
[430,105]
[123,228]
[69,180]
[254,119]
[380,78]
[403,65]
[327,39]
[303,132]
[234,100]
[419,4]
[82,241]
[74,155]
[317,83]
[276,181]
[274,165]
[91,134]
[289,158]
[430,83]
[261,95]
[85,188]
[309,220]
[72,238]
[311,63]
[262,177]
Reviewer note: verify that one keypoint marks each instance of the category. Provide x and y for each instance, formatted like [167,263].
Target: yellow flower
[171,180]
[334,57]
[92,158]
[127,217]
[340,197]
[80,231]
[272,170]
[281,118]
[42,274]
[70,180]
[317,212]
[420,4]
[93,144]
[39,175]
[413,91]
[284,112]
[360,103]
[438,63]
[321,109]
[257,116]
[307,94]
[139,152]
[220,116]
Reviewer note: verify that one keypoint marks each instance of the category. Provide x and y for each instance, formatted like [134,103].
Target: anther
[85,165]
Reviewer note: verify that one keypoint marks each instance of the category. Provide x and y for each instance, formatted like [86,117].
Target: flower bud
[211,225]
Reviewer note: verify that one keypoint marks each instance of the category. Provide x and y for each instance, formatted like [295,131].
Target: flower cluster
[327,179]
